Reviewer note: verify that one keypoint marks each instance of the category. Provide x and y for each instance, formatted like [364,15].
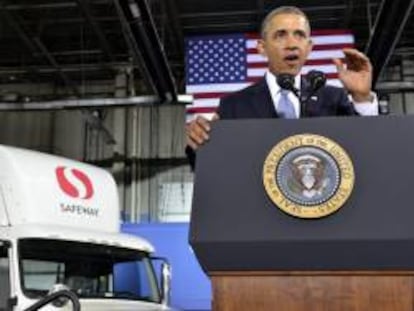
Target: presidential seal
[308,176]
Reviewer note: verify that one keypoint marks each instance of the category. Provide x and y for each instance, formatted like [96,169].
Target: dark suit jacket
[255,102]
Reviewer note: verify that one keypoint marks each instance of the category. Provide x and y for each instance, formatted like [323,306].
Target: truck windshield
[90,270]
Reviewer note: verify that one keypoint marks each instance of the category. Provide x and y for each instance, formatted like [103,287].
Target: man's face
[286,43]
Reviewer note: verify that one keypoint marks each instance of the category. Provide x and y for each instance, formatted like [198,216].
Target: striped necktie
[285,107]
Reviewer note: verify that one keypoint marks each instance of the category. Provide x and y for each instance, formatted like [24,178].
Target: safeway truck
[60,228]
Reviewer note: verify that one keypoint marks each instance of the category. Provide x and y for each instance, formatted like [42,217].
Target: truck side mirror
[165,279]
[62,301]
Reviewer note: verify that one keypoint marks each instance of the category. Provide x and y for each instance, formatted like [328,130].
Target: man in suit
[285,41]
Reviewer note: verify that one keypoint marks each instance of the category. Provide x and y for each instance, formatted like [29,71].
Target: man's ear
[310,46]
[261,47]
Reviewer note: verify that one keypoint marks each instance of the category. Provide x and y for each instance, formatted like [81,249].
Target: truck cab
[60,228]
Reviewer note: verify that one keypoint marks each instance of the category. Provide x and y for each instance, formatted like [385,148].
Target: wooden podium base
[319,291]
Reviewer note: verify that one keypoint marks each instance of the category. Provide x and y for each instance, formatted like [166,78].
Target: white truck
[60,228]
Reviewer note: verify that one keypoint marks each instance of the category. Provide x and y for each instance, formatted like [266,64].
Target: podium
[260,258]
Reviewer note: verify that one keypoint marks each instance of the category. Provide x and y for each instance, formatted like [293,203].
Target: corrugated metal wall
[147,151]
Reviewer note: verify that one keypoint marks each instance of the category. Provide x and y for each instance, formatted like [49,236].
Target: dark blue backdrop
[190,286]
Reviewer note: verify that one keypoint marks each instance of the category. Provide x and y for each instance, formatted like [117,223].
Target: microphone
[287,82]
[317,79]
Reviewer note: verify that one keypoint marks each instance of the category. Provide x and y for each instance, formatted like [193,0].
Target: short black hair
[281,10]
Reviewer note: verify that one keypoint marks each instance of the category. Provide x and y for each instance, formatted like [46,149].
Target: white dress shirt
[363,108]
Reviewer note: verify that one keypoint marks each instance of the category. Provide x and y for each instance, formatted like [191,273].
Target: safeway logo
[74,182]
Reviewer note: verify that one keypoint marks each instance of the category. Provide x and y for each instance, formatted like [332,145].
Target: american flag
[221,64]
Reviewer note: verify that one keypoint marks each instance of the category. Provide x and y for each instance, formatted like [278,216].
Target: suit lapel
[312,106]
[263,104]
[304,88]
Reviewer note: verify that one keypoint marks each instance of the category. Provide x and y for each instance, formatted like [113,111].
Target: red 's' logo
[74,182]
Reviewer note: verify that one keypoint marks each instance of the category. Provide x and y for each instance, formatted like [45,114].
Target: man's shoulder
[333,89]
[332,92]
[247,92]
[249,102]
